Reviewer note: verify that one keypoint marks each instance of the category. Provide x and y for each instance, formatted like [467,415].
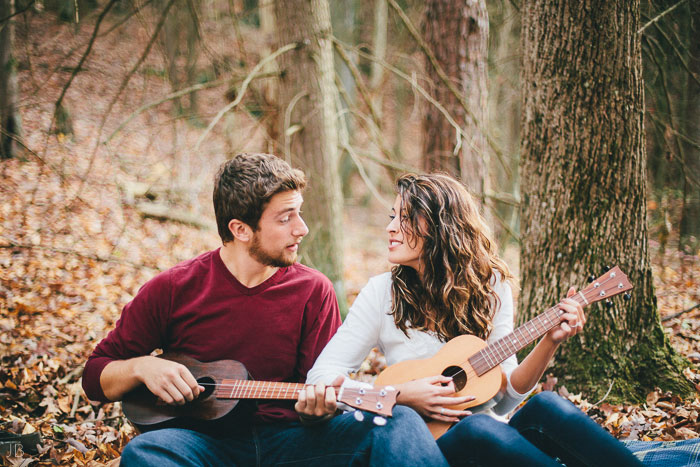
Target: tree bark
[10,122]
[690,216]
[584,192]
[456,32]
[308,122]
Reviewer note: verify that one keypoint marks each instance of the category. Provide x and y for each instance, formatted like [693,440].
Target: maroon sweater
[276,329]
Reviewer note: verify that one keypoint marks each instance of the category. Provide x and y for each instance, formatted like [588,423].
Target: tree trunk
[456,32]
[307,95]
[10,123]
[690,216]
[584,192]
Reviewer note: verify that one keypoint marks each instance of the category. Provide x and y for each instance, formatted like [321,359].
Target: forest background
[116,113]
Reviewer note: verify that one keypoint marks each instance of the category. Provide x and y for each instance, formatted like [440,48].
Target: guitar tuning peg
[609,303]
[606,269]
[591,279]
[627,297]
[379,421]
[359,416]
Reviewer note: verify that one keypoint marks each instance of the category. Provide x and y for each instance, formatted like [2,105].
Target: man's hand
[430,396]
[318,401]
[573,319]
[171,382]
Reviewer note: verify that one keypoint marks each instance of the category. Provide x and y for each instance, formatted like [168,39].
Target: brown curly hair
[459,262]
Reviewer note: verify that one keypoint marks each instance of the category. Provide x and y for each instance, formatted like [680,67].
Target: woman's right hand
[430,397]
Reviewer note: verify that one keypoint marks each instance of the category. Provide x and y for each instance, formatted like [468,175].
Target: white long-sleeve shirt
[369,324]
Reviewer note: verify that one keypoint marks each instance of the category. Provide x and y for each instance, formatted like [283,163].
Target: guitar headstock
[375,400]
[613,282]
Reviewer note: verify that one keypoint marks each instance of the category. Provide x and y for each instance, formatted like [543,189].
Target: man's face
[280,230]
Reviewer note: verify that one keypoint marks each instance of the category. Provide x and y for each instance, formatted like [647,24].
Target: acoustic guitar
[474,365]
[226,383]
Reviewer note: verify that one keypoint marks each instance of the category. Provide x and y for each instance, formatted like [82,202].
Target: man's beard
[279,260]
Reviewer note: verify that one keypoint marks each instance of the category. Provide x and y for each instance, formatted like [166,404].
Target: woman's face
[404,249]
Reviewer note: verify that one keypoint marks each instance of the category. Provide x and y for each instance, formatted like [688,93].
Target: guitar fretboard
[608,285]
[493,354]
[246,389]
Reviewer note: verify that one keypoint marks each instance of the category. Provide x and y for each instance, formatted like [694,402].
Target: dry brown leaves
[73,251]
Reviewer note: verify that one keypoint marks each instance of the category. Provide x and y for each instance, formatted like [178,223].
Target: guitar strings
[591,290]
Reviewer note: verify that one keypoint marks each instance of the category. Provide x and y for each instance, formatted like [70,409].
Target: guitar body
[147,413]
[450,360]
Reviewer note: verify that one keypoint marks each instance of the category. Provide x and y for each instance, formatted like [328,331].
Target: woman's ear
[240,230]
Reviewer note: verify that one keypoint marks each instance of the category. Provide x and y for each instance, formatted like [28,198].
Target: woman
[449,281]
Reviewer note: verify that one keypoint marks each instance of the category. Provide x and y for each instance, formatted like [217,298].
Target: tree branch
[448,83]
[82,59]
[244,87]
[658,17]
[111,259]
[29,5]
[180,93]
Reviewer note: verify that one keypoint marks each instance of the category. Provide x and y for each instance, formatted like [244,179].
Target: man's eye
[285,220]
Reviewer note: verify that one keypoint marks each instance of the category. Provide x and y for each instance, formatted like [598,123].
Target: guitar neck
[247,389]
[493,354]
[608,285]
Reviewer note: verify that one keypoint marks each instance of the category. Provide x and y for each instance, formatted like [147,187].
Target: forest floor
[76,244]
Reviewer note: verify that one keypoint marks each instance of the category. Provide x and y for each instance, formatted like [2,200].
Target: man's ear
[240,230]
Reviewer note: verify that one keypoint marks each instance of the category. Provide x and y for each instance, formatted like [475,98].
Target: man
[247,301]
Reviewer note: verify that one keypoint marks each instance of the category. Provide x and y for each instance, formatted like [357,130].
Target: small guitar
[475,366]
[225,383]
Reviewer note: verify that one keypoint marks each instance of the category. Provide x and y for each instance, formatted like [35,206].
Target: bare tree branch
[29,5]
[82,59]
[447,82]
[180,93]
[110,259]
[244,87]
[661,15]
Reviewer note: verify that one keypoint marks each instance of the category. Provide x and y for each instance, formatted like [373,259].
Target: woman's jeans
[403,441]
[547,431]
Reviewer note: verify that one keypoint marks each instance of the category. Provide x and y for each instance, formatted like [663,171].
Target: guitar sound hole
[209,386]
[458,375]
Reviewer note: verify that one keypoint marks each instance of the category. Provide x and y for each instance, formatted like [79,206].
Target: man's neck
[245,268]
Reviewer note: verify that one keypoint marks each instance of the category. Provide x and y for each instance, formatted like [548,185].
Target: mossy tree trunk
[584,192]
[309,128]
[456,32]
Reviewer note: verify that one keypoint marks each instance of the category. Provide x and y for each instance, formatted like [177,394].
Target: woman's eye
[392,217]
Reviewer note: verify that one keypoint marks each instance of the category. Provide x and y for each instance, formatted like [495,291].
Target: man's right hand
[171,382]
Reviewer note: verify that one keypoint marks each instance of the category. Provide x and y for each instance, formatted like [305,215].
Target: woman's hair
[459,262]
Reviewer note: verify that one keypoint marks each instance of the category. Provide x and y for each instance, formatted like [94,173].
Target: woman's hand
[573,319]
[430,397]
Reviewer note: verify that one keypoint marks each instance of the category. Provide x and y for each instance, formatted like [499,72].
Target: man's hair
[244,185]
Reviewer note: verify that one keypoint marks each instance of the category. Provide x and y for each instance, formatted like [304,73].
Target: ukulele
[226,382]
[474,365]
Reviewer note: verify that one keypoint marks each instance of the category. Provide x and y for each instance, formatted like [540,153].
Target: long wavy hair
[459,262]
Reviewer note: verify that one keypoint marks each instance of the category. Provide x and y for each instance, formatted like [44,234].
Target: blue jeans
[547,428]
[404,440]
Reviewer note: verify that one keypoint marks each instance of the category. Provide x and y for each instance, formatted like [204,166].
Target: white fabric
[369,324]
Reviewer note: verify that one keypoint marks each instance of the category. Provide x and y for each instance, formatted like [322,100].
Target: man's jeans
[403,441]
[547,428]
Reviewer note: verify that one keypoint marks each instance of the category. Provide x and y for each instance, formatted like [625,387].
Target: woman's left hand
[573,319]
